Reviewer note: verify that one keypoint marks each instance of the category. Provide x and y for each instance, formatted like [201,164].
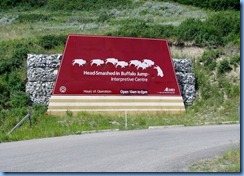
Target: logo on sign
[169,90]
[62,89]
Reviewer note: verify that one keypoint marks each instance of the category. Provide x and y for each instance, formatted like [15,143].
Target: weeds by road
[49,126]
[229,162]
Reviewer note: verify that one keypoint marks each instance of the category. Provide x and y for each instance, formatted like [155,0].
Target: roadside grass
[229,162]
[50,126]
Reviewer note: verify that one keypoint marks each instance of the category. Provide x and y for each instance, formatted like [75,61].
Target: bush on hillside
[13,54]
[142,29]
[224,67]
[51,41]
[197,31]
[228,22]
[8,4]
[13,77]
[212,4]
[209,58]
[4,93]
[189,29]
[218,30]
[64,4]
[12,83]
[86,5]
[19,99]
[97,4]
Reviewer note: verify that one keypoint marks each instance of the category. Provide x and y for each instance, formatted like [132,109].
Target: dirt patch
[186,52]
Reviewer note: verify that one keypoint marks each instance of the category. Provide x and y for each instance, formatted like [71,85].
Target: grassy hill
[41,27]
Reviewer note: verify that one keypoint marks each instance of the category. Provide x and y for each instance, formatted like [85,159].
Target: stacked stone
[41,72]
[186,79]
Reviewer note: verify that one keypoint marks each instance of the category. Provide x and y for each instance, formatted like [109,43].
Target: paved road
[154,150]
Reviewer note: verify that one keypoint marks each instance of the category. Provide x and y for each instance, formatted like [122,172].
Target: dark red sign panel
[101,65]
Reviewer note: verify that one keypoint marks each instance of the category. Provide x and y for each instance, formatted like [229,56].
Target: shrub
[7,4]
[142,29]
[212,4]
[85,4]
[5,66]
[209,58]
[235,61]
[69,113]
[19,99]
[11,83]
[14,53]
[224,66]
[209,36]
[227,22]
[198,31]
[13,56]
[217,30]
[189,29]
[19,56]
[4,92]
[103,17]
[15,81]
[52,41]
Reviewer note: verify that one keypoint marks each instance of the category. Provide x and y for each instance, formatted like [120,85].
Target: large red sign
[101,65]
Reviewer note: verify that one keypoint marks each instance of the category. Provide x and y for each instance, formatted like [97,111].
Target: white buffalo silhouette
[80,62]
[135,63]
[148,62]
[111,60]
[98,62]
[122,64]
[160,71]
[142,65]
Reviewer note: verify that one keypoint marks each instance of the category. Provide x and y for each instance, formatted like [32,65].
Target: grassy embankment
[229,162]
[43,29]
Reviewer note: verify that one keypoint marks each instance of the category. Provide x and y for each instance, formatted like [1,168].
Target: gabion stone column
[186,79]
[42,71]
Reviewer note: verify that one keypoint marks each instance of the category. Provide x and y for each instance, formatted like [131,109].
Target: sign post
[100,73]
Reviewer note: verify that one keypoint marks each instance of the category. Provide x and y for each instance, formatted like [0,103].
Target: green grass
[50,126]
[229,162]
